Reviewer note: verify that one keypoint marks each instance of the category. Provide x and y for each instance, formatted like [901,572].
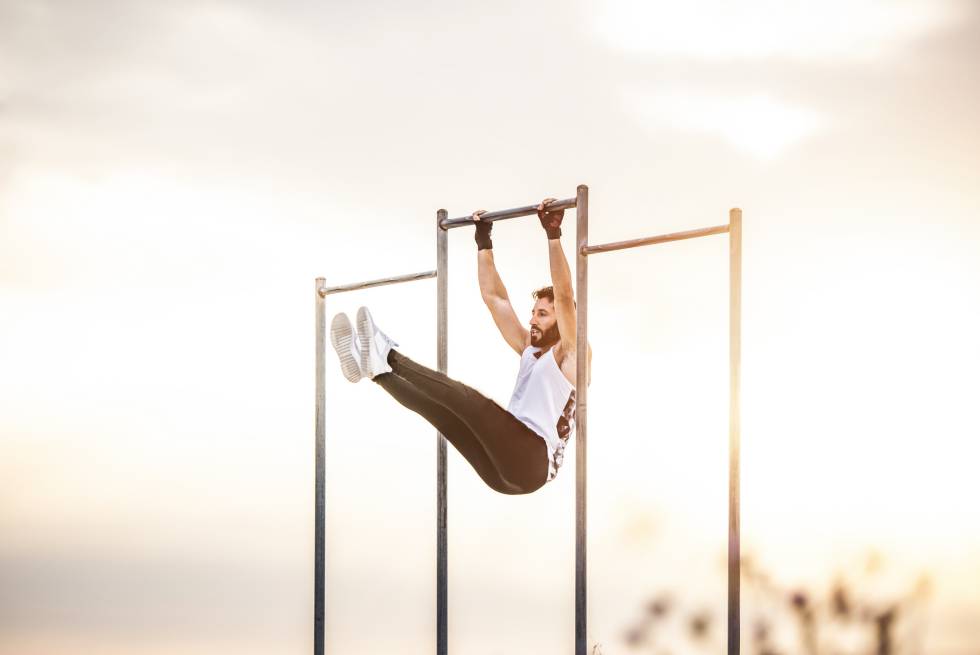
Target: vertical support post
[581,395]
[442,313]
[734,421]
[319,523]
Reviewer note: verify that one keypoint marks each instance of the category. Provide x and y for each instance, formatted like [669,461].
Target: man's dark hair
[549,293]
[544,292]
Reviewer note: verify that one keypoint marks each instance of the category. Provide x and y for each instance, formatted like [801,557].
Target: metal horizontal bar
[503,214]
[326,291]
[647,241]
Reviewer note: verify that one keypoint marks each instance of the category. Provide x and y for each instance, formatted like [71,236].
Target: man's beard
[546,339]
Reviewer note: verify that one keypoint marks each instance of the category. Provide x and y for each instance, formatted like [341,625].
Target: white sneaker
[375,345]
[343,341]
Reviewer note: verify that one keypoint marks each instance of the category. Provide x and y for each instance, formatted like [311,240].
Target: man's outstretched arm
[561,282]
[494,293]
[561,276]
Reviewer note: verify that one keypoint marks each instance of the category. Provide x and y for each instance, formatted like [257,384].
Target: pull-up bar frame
[443,224]
[504,214]
[411,277]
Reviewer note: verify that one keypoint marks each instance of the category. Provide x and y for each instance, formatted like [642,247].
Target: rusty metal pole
[734,421]
[442,343]
[505,214]
[581,395]
[319,523]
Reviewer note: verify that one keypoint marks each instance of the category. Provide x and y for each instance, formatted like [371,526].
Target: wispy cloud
[758,125]
[736,71]
[800,29]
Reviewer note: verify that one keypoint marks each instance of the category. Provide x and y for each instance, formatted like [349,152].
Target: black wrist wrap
[551,222]
[482,236]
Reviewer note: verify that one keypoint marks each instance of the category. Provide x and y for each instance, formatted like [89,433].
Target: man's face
[544,324]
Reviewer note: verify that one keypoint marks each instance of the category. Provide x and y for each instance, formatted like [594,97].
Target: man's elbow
[490,299]
[564,297]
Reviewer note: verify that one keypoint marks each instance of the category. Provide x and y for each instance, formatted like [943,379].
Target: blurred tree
[839,622]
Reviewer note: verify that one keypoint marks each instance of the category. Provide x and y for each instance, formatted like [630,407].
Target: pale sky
[173,178]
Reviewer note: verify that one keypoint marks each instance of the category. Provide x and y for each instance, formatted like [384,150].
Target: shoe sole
[341,337]
[365,330]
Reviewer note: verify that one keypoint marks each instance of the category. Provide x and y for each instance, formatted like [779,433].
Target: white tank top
[544,400]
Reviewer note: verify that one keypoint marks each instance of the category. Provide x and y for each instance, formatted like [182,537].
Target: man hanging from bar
[515,450]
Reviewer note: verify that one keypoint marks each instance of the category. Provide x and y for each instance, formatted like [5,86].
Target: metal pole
[442,342]
[581,394]
[411,277]
[734,421]
[504,214]
[321,292]
[663,238]
[319,494]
